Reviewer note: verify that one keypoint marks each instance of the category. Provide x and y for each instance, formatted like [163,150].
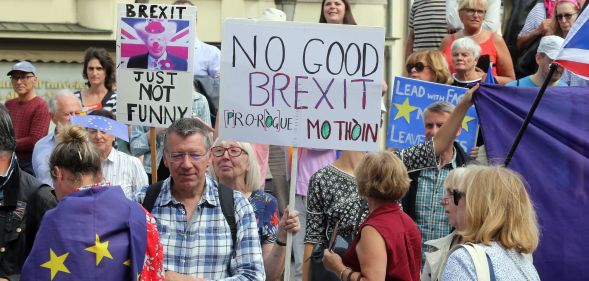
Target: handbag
[317,272]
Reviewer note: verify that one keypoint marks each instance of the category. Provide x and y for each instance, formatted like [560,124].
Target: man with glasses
[29,113]
[547,51]
[422,201]
[195,232]
[63,105]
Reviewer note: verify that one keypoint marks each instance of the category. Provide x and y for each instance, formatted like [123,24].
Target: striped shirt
[108,103]
[202,246]
[534,19]
[124,170]
[427,19]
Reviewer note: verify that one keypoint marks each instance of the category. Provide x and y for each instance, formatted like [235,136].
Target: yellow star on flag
[127,262]
[405,110]
[465,122]
[100,249]
[56,263]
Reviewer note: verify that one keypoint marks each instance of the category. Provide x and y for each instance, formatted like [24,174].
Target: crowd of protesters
[218,211]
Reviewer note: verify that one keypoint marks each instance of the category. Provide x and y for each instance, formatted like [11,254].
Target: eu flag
[92,234]
[553,158]
[100,123]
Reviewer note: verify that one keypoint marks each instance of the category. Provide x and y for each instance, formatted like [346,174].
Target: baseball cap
[23,66]
[273,14]
[550,45]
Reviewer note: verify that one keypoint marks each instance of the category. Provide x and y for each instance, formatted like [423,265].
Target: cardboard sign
[410,99]
[155,50]
[301,84]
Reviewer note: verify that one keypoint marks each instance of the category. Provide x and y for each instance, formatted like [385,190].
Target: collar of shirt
[112,156]
[9,170]
[152,61]
[208,196]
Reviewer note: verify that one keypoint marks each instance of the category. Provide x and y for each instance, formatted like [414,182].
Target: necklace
[475,35]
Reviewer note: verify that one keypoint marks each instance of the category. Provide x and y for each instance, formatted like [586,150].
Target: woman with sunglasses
[235,165]
[428,65]
[499,218]
[565,15]
[472,14]
[434,259]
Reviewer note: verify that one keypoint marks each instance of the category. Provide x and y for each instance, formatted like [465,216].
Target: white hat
[550,45]
[272,14]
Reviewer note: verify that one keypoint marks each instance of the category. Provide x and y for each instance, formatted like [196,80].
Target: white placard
[155,53]
[301,84]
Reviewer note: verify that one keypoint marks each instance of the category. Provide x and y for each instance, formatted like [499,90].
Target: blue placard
[410,98]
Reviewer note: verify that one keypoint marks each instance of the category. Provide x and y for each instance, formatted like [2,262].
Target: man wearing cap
[156,35]
[23,202]
[547,52]
[29,113]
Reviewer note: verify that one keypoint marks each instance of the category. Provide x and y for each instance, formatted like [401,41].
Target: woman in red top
[472,14]
[388,246]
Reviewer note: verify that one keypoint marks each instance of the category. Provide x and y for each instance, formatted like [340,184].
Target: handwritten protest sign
[410,99]
[154,63]
[301,84]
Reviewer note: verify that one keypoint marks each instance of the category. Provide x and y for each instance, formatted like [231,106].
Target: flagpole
[529,116]
[152,145]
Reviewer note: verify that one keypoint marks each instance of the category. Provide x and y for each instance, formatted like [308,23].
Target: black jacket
[462,159]
[19,189]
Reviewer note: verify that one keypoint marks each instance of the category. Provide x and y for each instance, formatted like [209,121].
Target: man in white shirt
[118,168]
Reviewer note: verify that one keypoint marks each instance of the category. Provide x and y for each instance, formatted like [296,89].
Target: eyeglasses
[559,17]
[178,157]
[471,11]
[219,151]
[456,195]
[419,67]
[21,78]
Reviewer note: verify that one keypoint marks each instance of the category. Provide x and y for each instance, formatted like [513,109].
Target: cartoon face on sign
[155,44]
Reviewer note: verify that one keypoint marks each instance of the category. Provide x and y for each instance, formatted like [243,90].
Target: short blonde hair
[499,209]
[464,4]
[382,175]
[436,62]
[252,175]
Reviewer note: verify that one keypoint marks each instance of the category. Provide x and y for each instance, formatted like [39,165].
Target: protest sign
[154,63]
[301,84]
[410,99]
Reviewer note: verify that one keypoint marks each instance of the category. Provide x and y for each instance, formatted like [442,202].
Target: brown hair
[499,209]
[348,17]
[105,61]
[382,175]
[436,62]
[75,153]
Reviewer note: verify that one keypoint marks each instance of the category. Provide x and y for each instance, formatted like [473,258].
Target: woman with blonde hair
[388,244]
[500,219]
[429,65]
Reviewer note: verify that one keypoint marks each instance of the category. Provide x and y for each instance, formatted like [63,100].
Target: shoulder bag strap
[153,191]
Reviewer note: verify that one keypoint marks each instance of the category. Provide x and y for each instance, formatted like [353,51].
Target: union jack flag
[574,54]
[132,44]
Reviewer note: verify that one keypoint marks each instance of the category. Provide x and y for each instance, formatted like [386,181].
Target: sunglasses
[566,16]
[419,66]
[456,195]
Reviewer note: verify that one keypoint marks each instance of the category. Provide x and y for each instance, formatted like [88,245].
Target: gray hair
[439,107]
[186,127]
[468,44]
[7,138]
[61,93]
[253,174]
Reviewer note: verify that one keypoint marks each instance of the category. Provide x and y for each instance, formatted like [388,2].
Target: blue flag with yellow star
[92,234]
[553,158]
[100,123]
[410,99]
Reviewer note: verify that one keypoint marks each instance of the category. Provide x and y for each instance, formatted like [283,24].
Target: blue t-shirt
[528,82]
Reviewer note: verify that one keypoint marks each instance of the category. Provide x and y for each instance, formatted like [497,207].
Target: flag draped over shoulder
[553,158]
[92,234]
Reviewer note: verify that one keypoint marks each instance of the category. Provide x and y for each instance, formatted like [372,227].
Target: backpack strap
[228,207]
[479,258]
[153,191]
